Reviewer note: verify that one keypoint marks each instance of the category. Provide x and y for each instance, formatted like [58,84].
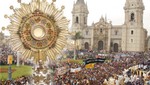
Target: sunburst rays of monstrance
[38,29]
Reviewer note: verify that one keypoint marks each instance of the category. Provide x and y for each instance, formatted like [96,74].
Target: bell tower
[133,37]
[134,13]
[79,15]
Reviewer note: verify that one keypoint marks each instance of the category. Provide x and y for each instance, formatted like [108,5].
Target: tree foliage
[77,36]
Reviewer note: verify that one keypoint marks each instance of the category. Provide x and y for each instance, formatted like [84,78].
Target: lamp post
[74,43]
[77,36]
[74,53]
[9,72]
[9,61]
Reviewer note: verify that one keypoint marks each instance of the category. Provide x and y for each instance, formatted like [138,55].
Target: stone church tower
[133,33]
[102,35]
[79,22]
[79,15]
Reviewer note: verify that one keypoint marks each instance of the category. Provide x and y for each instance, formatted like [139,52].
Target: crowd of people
[23,80]
[114,72]
[4,52]
[119,69]
[3,60]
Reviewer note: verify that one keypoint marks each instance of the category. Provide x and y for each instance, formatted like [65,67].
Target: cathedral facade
[102,35]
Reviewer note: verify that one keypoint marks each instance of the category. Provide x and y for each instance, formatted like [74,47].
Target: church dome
[134,4]
[80,2]
[80,6]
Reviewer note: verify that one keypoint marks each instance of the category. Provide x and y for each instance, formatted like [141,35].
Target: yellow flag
[90,65]
[10,59]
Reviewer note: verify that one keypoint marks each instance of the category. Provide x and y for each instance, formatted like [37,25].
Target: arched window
[77,20]
[101,30]
[87,32]
[132,4]
[132,16]
[131,40]
[116,32]
[116,47]
[86,45]
[100,45]
[132,32]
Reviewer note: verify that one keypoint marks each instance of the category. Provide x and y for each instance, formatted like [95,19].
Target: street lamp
[9,61]
[74,49]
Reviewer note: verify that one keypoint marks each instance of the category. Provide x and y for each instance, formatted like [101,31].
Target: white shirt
[117,82]
[127,79]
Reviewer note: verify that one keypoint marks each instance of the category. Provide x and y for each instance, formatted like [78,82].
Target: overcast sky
[97,8]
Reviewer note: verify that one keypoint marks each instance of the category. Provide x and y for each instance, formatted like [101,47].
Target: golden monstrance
[38,29]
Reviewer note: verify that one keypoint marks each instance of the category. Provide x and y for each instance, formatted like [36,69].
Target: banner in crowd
[74,70]
[96,60]
[10,59]
[61,70]
[91,65]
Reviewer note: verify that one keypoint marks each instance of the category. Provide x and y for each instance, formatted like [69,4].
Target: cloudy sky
[113,9]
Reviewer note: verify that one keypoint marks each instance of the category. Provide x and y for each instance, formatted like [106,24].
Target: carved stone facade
[102,35]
